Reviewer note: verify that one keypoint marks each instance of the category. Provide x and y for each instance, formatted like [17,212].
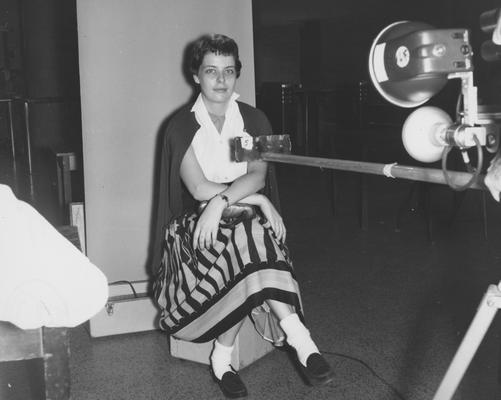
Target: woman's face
[217,77]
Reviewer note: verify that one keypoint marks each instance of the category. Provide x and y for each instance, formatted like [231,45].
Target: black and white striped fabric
[203,293]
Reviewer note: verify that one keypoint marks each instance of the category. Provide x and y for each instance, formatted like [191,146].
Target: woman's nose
[220,77]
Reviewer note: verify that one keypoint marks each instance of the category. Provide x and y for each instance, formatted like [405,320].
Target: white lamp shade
[396,73]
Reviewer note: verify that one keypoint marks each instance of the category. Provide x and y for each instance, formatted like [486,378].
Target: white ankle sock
[220,359]
[298,337]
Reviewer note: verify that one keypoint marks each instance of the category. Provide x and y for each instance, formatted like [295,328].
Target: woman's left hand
[274,218]
[207,227]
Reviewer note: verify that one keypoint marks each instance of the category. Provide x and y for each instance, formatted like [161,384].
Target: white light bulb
[421,133]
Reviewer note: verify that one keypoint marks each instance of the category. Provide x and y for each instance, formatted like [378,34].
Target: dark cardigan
[173,198]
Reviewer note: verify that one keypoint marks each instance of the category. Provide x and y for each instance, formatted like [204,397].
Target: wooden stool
[249,347]
[50,344]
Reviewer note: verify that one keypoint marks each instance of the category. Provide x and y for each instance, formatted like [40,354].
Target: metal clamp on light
[410,62]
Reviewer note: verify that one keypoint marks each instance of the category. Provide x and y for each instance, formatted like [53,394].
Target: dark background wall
[329,41]
[321,48]
[51,72]
[319,44]
[40,63]
[39,85]
[50,48]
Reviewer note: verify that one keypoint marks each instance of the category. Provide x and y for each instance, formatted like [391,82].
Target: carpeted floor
[387,308]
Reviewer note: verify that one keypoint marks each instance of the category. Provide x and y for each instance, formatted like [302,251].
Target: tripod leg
[476,332]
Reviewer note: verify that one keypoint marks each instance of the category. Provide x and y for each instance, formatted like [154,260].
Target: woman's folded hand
[274,218]
[205,234]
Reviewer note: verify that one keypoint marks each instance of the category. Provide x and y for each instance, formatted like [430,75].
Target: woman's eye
[230,71]
[210,71]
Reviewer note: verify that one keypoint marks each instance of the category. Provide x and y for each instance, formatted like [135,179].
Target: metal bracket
[110,308]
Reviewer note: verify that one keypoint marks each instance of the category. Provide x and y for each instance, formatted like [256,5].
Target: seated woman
[212,275]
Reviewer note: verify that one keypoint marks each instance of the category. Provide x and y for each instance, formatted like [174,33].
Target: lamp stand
[487,309]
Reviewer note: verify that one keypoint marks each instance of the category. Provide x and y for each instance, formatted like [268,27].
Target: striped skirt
[203,293]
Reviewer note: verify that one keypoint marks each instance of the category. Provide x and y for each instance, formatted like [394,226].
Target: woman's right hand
[274,218]
[207,227]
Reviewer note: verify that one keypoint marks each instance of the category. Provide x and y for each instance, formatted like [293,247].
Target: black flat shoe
[231,385]
[317,370]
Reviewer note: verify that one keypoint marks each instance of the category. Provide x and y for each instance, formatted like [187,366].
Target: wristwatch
[225,198]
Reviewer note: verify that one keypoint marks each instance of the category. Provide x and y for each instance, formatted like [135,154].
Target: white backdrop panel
[131,80]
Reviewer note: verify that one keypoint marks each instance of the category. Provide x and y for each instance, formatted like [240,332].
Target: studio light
[409,63]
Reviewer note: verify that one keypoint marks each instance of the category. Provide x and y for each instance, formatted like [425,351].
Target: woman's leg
[220,357]
[298,337]
[228,338]
[281,310]
[297,334]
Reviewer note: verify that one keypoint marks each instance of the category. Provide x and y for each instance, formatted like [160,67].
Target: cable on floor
[128,283]
[381,379]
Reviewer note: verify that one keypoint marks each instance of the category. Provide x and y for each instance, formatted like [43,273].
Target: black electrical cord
[476,171]
[381,379]
[128,283]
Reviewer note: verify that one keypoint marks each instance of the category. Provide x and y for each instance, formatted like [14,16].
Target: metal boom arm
[432,175]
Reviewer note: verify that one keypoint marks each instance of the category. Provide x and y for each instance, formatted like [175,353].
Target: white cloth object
[493,177]
[44,279]
[213,149]
[496,34]
[298,336]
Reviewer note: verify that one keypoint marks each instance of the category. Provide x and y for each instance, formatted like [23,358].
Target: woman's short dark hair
[217,44]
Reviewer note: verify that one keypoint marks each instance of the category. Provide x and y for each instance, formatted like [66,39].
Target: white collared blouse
[213,148]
